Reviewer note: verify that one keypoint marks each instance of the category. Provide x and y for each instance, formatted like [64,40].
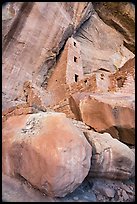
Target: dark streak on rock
[18,23]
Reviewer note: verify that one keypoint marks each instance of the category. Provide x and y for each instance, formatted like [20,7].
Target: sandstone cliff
[68,101]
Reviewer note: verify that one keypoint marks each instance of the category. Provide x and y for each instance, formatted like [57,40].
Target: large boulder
[107,112]
[47,150]
[111,158]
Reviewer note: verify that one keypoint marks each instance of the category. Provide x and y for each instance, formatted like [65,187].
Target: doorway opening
[75,59]
[76,78]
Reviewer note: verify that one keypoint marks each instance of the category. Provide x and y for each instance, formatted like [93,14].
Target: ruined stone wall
[85,85]
[119,78]
[37,101]
[63,106]
[22,109]
[99,82]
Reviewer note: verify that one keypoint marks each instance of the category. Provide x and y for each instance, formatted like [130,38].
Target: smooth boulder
[47,150]
[111,158]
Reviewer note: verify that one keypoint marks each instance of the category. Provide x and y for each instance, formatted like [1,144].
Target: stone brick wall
[84,85]
[74,69]
[119,78]
[67,71]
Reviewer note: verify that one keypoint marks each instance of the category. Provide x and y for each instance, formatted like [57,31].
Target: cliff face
[33,34]
[121,16]
[103,46]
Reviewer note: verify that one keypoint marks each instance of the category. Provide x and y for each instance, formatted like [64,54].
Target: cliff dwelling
[68,102]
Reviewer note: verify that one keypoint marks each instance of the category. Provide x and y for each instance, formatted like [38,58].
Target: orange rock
[109,112]
[47,150]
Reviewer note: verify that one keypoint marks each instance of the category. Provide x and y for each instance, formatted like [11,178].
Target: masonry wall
[74,69]
[103,81]
[119,78]
[87,84]
[68,70]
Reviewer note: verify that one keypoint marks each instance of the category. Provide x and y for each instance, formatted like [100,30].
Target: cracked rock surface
[47,150]
[110,158]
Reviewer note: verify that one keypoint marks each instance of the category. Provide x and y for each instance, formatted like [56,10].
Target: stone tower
[74,70]
[68,70]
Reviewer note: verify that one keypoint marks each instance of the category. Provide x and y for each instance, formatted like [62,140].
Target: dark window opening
[102,76]
[76,77]
[120,81]
[75,59]
[86,81]
[74,44]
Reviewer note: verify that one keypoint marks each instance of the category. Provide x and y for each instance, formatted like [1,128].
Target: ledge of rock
[111,158]
[47,150]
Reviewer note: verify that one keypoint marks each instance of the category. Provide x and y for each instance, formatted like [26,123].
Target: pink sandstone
[47,150]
